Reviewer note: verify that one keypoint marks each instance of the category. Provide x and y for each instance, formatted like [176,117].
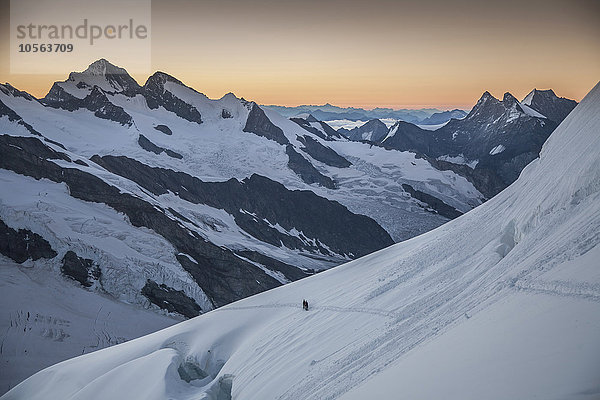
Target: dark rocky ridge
[322,153]
[222,275]
[171,299]
[377,130]
[547,103]
[22,244]
[259,124]
[147,145]
[438,205]
[305,170]
[490,123]
[327,133]
[156,96]
[260,198]
[96,101]
[80,269]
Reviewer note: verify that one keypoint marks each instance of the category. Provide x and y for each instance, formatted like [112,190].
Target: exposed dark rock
[486,180]
[491,124]
[305,170]
[438,205]
[147,145]
[164,129]
[547,103]
[321,153]
[14,117]
[372,131]
[97,102]
[9,90]
[223,276]
[226,114]
[57,97]
[326,132]
[259,124]
[156,95]
[80,269]
[80,162]
[263,199]
[171,299]
[173,154]
[21,245]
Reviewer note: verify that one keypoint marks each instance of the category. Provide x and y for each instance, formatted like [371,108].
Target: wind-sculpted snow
[502,302]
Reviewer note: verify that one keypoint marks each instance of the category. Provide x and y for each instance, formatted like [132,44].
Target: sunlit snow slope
[503,302]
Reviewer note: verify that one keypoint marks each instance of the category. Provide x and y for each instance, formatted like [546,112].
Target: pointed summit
[549,104]
[101,73]
[311,118]
[509,99]
[103,67]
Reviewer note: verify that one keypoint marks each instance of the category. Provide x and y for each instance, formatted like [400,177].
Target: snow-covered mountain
[372,131]
[328,112]
[502,302]
[491,145]
[157,196]
[547,103]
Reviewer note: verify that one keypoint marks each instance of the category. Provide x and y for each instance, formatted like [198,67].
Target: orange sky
[364,53]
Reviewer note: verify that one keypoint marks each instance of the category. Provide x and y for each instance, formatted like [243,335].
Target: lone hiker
[305,305]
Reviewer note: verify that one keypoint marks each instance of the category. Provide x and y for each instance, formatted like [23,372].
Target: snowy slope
[44,320]
[513,270]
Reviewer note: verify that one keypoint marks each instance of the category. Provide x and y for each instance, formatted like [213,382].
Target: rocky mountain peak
[103,67]
[549,104]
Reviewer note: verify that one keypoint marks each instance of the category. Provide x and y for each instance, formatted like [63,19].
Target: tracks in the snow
[371,311]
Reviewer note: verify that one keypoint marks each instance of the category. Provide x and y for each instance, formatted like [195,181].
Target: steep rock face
[372,131]
[316,127]
[22,244]
[96,101]
[156,96]
[305,170]
[80,269]
[322,153]
[222,275]
[549,104]
[500,137]
[171,299]
[436,204]
[58,97]
[14,117]
[259,124]
[405,136]
[258,204]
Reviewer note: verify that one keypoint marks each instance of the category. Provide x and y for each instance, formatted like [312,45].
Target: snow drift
[502,302]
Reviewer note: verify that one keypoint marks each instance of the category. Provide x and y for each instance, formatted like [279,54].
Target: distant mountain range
[328,112]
